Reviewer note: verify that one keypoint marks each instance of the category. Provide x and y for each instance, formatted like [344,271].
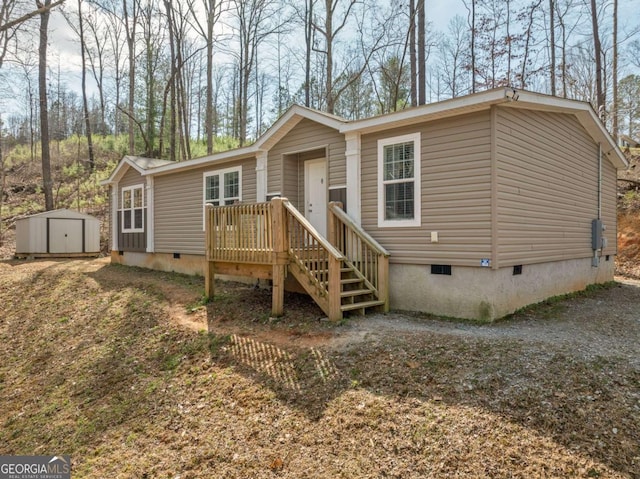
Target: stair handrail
[368,258]
[336,208]
[332,250]
[306,248]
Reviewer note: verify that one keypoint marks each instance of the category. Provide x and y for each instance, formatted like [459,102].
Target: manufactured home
[471,207]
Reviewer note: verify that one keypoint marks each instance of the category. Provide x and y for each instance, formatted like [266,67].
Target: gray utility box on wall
[58,233]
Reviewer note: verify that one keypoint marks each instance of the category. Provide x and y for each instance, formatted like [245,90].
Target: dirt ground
[129,372]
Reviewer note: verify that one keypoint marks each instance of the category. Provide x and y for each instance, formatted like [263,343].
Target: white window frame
[417,218]
[132,189]
[222,198]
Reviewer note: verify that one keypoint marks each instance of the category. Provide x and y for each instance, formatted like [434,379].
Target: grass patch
[107,369]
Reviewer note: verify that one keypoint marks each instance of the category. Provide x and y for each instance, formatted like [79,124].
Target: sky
[64,47]
[64,44]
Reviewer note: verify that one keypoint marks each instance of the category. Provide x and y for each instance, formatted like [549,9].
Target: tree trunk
[412,53]
[209,100]
[85,105]
[552,46]
[308,39]
[614,76]
[328,28]
[130,29]
[597,51]
[47,182]
[473,46]
[422,59]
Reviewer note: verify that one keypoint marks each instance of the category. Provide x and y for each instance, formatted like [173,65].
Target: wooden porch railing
[240,233]
[369,259]
[315,263]
[265,240]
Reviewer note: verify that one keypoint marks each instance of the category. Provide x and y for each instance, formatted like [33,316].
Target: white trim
[122,209]
[417,197]
[307,180]
[150,218]
[353,158]
[507,97]
[261,177]
[114,217]
[221,174]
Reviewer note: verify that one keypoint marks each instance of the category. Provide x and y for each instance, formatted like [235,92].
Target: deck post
[280,254]
[335,302]
[383,281]
[209,270]
[332,224]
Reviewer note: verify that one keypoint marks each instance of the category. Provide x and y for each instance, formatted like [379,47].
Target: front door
[315,194]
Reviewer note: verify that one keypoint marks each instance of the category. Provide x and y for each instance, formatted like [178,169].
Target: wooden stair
[355,295]
[346,271]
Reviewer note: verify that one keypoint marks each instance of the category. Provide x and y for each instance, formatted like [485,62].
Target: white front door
[315,194]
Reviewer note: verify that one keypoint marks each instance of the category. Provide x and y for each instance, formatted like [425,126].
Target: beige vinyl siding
[609,205]
[130,178]
[307,135]
[179,206]
[292,187]
[547,180]
[456,193]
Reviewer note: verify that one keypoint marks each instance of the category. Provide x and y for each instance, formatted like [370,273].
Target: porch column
[352,154]
[150,229]
[261,176]
[115,227]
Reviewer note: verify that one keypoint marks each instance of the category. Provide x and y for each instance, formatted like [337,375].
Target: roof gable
[290,119]
[138,163]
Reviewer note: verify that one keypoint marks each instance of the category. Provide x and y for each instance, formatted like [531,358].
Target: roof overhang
[125,163]
[290,119]
[507,97]
[223,157]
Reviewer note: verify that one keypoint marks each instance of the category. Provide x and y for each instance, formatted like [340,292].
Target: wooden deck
[346,272]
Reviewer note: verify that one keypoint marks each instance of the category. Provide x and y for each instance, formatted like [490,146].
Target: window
[133,209]
[222,187]
[399,181]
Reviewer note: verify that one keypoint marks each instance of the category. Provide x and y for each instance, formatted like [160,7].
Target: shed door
[65,235]
[315,188]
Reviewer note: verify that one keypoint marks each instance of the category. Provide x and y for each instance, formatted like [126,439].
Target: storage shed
[58,233]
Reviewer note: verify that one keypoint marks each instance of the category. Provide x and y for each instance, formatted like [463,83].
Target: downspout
[599,181]
[597,246]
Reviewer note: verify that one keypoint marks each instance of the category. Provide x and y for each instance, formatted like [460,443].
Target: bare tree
[329,27]
[470,5]
[47,181]
[96,53]
[597,52]
[422,57]
[255,22]
[454,56]
[8,5]
[413,59]
[130,11]
[213,9]
[552,46]
[85,105]
[614,73]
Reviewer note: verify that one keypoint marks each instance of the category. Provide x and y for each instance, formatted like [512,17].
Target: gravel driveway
[604,323]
